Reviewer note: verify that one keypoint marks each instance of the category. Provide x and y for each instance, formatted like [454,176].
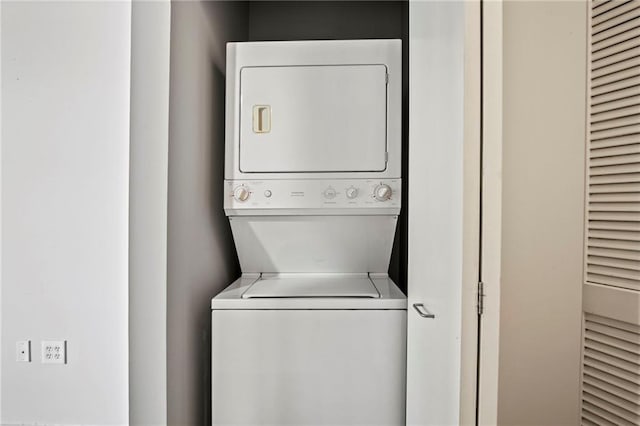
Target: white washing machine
[314,331]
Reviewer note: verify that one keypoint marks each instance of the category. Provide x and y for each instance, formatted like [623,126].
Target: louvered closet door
[611,352]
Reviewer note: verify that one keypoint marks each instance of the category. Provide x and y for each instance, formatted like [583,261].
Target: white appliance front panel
[303,119]
[308,367]
[321,244]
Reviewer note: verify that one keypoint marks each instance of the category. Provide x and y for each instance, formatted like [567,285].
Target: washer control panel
[312,193]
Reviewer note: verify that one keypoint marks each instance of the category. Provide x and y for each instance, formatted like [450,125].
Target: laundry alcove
[201,255]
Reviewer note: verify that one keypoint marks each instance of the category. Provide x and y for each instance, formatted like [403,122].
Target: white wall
[65,153]
[150,28]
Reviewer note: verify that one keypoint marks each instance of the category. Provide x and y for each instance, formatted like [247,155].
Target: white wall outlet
[23,351]
[54,351]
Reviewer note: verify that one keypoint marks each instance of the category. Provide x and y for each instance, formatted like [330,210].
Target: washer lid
[312,285]
[390,297]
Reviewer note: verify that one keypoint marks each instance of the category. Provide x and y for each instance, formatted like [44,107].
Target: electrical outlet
[23,351]
[54,351]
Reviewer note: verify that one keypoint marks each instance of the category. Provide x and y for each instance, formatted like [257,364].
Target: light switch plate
[23,351]
[54,351]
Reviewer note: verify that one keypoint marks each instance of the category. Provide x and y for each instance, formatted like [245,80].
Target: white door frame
[491,210]
[471,212]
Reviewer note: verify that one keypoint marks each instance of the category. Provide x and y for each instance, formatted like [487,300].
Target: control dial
[329,193]
[352,192]
[382,192]
[241,193]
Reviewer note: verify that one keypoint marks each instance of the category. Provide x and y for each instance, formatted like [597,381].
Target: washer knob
[352,192]
[329,193]
[382,192]
[241,193]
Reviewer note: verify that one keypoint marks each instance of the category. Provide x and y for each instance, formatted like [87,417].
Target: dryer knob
[382,192]
[241,193]
[352,192]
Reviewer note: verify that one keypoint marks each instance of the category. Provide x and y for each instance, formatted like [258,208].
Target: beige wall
[544,71]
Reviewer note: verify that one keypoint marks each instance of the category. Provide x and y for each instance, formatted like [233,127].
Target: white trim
[471,214]
[618,303]
[149,138]
[492,211]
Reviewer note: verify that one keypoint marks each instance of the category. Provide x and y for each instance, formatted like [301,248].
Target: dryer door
[299,119]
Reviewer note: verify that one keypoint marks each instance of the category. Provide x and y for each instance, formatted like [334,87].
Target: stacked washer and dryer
[314,331]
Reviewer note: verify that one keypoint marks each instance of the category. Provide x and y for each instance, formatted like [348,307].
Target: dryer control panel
[312,194]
